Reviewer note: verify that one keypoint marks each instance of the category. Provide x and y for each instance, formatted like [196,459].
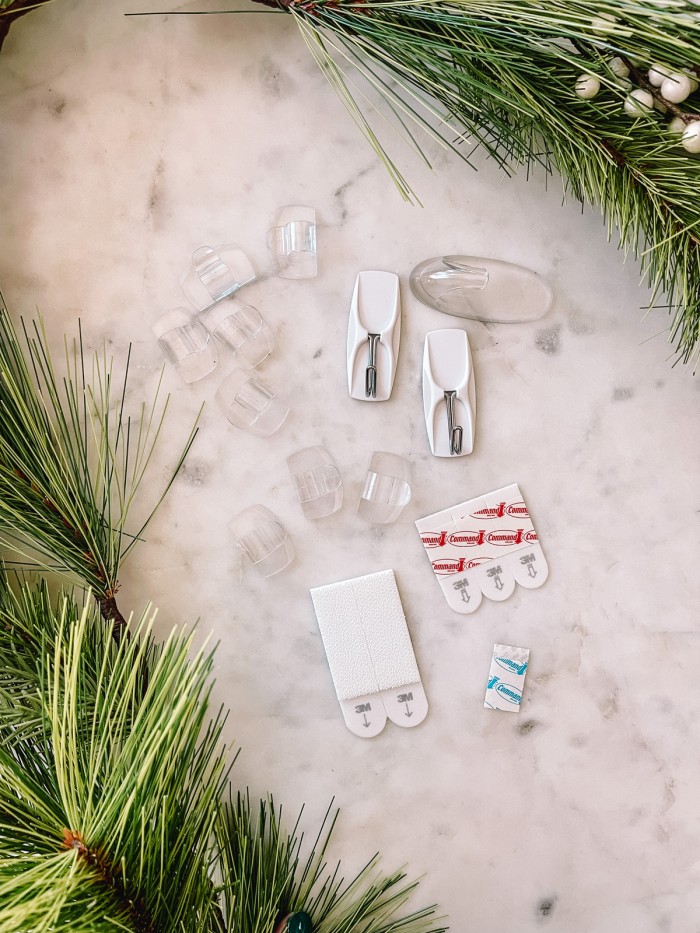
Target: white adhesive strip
[483,547]
[369,652]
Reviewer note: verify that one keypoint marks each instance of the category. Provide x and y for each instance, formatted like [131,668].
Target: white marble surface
[126,143]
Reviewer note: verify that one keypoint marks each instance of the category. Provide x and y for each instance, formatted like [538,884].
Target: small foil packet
[504,689]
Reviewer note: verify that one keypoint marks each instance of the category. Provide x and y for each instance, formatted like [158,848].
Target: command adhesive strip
[369,653]
[483,547]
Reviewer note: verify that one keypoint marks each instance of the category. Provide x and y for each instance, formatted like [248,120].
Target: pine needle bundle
[114,780]
[72,461]
[504,76]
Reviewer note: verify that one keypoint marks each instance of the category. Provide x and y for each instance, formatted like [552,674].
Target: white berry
[658,74]
[677,126]
[618,67]
[677,87]
[639,102]
[587,86]
[691,137]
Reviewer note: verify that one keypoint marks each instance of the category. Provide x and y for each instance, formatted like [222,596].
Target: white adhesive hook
[449,394]
[374,336]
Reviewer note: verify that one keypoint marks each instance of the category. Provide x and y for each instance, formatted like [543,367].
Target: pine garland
[113,775]
[503,75]
[72,461]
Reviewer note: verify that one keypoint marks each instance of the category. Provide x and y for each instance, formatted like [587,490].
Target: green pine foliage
[501,75]
[114,780]
[71,460]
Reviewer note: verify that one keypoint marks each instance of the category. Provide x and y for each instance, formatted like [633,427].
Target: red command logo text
[517,510]
[467,538]
[444,567]
[433,538]
[531,536]
[497,511]
[505,537]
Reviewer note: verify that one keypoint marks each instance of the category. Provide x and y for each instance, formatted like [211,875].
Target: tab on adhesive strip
[369,653]
[504,689]
[483,547]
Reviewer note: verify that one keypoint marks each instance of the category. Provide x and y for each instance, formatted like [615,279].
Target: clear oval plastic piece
[486,290]
[243,330]
[387,488]
[263,538]
[186,344]
[317,481]
[250,405]
[292,242]
[214,274]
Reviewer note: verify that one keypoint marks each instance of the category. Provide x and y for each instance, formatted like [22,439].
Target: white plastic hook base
[374,336]
[449,394]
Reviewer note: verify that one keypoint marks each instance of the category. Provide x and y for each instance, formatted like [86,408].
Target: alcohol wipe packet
[504,689]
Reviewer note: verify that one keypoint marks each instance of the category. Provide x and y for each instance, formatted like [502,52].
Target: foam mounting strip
[369,651]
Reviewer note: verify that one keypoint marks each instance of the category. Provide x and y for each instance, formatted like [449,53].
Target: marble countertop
[129,142]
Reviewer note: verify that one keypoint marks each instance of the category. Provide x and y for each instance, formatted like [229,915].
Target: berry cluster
[665,88]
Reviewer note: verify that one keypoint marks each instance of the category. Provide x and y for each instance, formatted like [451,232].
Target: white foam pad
[365,635]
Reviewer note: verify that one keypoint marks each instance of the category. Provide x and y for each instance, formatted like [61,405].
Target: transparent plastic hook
[387,488]
[317,481]
[486,290]
[186,344]
[242,329]
[263,538]
[214,274]
[292,242]
[250,405]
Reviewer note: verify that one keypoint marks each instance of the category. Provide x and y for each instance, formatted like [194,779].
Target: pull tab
[371,371]
[454,430]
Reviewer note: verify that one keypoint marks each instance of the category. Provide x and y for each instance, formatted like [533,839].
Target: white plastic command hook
[292,242]
[186,344]
[214,274]
[263,538]
[374,336]
[449,395]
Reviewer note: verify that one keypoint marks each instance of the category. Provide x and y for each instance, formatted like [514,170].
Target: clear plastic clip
[243,330]
[387,488]
[215,274]
[250,405]
[317,481]
[186,344]
[292,242]
[263,538]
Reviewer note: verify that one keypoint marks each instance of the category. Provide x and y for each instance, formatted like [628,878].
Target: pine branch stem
[110,613]
[112,877]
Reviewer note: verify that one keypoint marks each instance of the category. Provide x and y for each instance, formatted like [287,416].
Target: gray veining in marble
[127,143]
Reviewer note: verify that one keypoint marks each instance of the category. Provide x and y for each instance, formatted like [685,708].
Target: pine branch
[72,461]
[110,796]
[267,878]
[504,75]
[11,10]
[108,810]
